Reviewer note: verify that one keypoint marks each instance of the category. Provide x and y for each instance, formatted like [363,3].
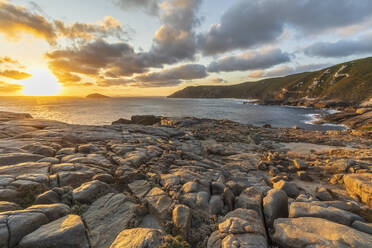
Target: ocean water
[104,111]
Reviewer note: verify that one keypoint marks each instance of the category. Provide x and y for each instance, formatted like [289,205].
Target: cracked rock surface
[182,182]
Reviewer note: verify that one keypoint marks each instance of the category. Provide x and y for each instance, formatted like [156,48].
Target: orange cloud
[13,74]
[9,88]
[16,19]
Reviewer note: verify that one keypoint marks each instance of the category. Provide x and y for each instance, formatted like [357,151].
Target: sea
[85,111]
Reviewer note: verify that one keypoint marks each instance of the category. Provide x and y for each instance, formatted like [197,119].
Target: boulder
[74,179]
[48,197]
[147,120]
[290,189]
[275,205]
[314,232]
[228,198]
[104,177]
[138,238]
[67,232]
[90,191]
[360,185]
[215,204]
[307,209]
[113,212]
[300,165]
[250,198]
[246,240]
[140,188]
[21,223]
[190,187]
[88,148]
[323,194]
[121,121]
[182,219]
[239,228]
[159,203]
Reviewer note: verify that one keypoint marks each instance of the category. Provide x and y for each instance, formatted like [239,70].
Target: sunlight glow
[42,83]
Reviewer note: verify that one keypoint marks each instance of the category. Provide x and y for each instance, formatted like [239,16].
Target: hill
[96,95]
[349,82]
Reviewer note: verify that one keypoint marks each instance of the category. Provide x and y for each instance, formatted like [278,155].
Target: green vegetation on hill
[350,81]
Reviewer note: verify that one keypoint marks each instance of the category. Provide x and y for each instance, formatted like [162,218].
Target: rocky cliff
[347,82]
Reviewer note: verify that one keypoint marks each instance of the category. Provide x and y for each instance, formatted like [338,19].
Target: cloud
[7,60]
[10,68]
[98,58]
[9,88]
[16,19]
[173,76]
[175,40]
[341,48]
[86,31]
[248,24]
[249,61]
[285,70]
[150,6]
[13,74]
[109,63]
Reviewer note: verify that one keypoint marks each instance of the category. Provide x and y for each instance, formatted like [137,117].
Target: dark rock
[147,120]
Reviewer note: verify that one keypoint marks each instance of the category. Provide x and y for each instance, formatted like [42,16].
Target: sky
[156,47]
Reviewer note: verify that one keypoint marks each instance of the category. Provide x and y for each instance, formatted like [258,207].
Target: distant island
[96,95]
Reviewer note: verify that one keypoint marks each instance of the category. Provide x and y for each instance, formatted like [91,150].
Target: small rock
[190,187]
[48,197]
[228,198]
[138,238]
[323,194]
[104,177]
[290,189]
[304,176]
[217,188]
[300,165]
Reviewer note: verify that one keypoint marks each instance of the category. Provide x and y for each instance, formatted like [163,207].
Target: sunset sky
[155,47]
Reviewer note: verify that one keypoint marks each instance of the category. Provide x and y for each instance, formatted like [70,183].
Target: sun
[42,83]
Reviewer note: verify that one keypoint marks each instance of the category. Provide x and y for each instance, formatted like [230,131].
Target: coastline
[351,115]
[180,180]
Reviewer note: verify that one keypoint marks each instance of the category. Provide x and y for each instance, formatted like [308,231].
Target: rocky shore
[182,182]
[352,115]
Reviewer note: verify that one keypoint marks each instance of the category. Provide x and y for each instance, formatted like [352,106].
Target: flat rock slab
[107,217]
[67,232]
[25,168]
[16,158]
[360,185]
[307,209]
[314,232]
